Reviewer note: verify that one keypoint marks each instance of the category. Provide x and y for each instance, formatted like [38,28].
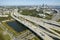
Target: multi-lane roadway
[42,27]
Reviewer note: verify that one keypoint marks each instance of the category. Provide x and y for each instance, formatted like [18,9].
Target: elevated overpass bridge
[42,29]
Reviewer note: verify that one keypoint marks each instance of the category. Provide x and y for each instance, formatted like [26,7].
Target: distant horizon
[29,5]
[29,2]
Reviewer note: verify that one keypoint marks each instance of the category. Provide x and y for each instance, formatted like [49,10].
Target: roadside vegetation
[58,20]
[4,36]
[5,18]
[35,13]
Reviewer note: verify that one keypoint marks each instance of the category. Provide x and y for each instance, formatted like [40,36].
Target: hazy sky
[29,2]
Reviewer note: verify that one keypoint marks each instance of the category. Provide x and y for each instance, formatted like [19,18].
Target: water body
[17,26]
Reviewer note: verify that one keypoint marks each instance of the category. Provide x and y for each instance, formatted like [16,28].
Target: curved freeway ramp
[41,29]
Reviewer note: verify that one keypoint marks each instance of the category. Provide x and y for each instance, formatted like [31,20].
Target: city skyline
[28,2]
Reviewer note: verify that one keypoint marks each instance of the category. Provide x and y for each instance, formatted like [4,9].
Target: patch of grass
[56,31]
[7,37]
[58,20]
[48,17]
[5,18]
[35,38]
[35,13]
[10,29]
[4,37]
[30,12]
[1,29]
